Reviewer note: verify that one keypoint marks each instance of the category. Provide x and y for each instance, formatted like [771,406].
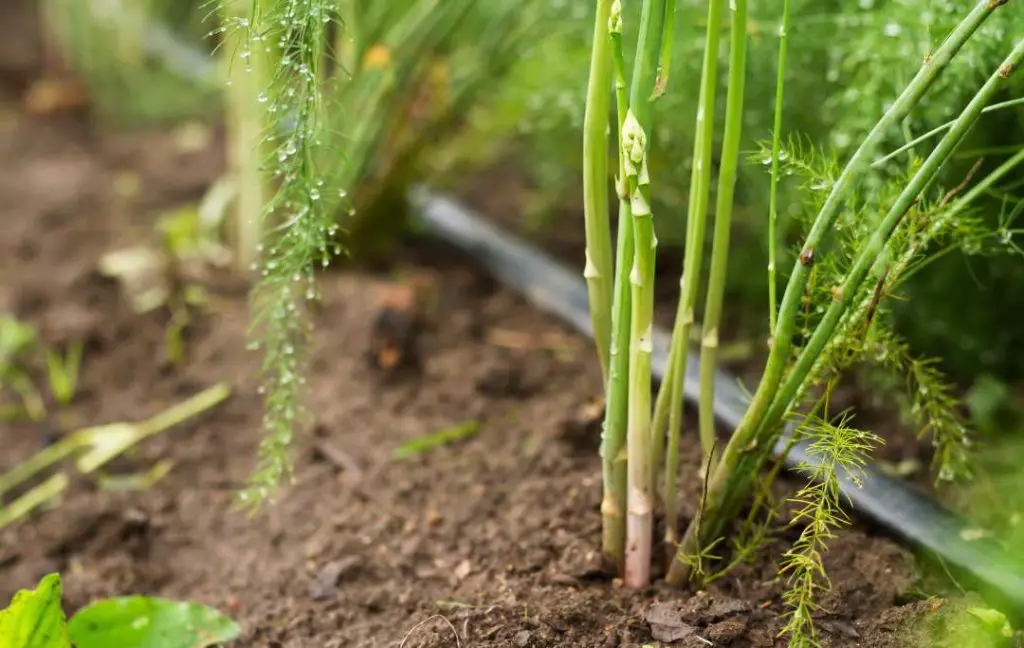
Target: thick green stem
[598,268]
[639,507]
[613,504]
[659,421]
[723,220]
[773,210]
[700,188]
[128,22]
[753,441]
[635,145]
[249,75]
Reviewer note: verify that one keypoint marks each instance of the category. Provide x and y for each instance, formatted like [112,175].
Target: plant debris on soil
[488,540]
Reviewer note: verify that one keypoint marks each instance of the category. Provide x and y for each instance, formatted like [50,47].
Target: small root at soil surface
[458,641]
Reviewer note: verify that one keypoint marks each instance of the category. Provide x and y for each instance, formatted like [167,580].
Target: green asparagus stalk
[659,423]
[639,507]
[700,188]
[598,268]
[635,144]
[613,451]
[661,406]
[773,209]
[668,35]
[723,220]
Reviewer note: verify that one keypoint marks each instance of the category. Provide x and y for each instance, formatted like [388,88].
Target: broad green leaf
[147,622]
[993,620]
[35,618]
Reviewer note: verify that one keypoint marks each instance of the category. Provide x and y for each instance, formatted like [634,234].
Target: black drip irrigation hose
[894,505]
[910,515]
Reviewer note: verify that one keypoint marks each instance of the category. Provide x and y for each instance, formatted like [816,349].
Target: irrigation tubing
[907,513]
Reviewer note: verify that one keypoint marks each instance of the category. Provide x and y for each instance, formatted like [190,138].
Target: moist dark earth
[487,542]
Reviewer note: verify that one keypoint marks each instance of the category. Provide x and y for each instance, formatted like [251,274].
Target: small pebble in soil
[509,379]
[581,431]
[395,339]
[330,576]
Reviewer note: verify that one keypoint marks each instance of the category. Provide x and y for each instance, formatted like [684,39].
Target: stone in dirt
[330,576]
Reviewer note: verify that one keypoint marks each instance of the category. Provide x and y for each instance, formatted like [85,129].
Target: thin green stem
[723,221]
[731,480]
[700,188]
[613,504]
[744,455]
[954,210]
[668,36]
[249,75]
[939,129]
[635,145]
[598,268]
[773,210]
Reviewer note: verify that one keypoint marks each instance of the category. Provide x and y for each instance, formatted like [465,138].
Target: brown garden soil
[487,542]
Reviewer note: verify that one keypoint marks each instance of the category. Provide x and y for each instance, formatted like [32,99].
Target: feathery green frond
[839,449]
[300,231]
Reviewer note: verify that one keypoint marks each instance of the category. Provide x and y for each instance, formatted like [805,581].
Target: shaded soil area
[487,542]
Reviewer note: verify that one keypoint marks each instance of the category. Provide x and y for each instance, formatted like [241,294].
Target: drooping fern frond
[402,77]
[928,398]
[299,231]
[948,221]
[839,449]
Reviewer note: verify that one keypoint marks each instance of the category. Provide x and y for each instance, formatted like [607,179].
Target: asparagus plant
[631,439]
[634,142]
